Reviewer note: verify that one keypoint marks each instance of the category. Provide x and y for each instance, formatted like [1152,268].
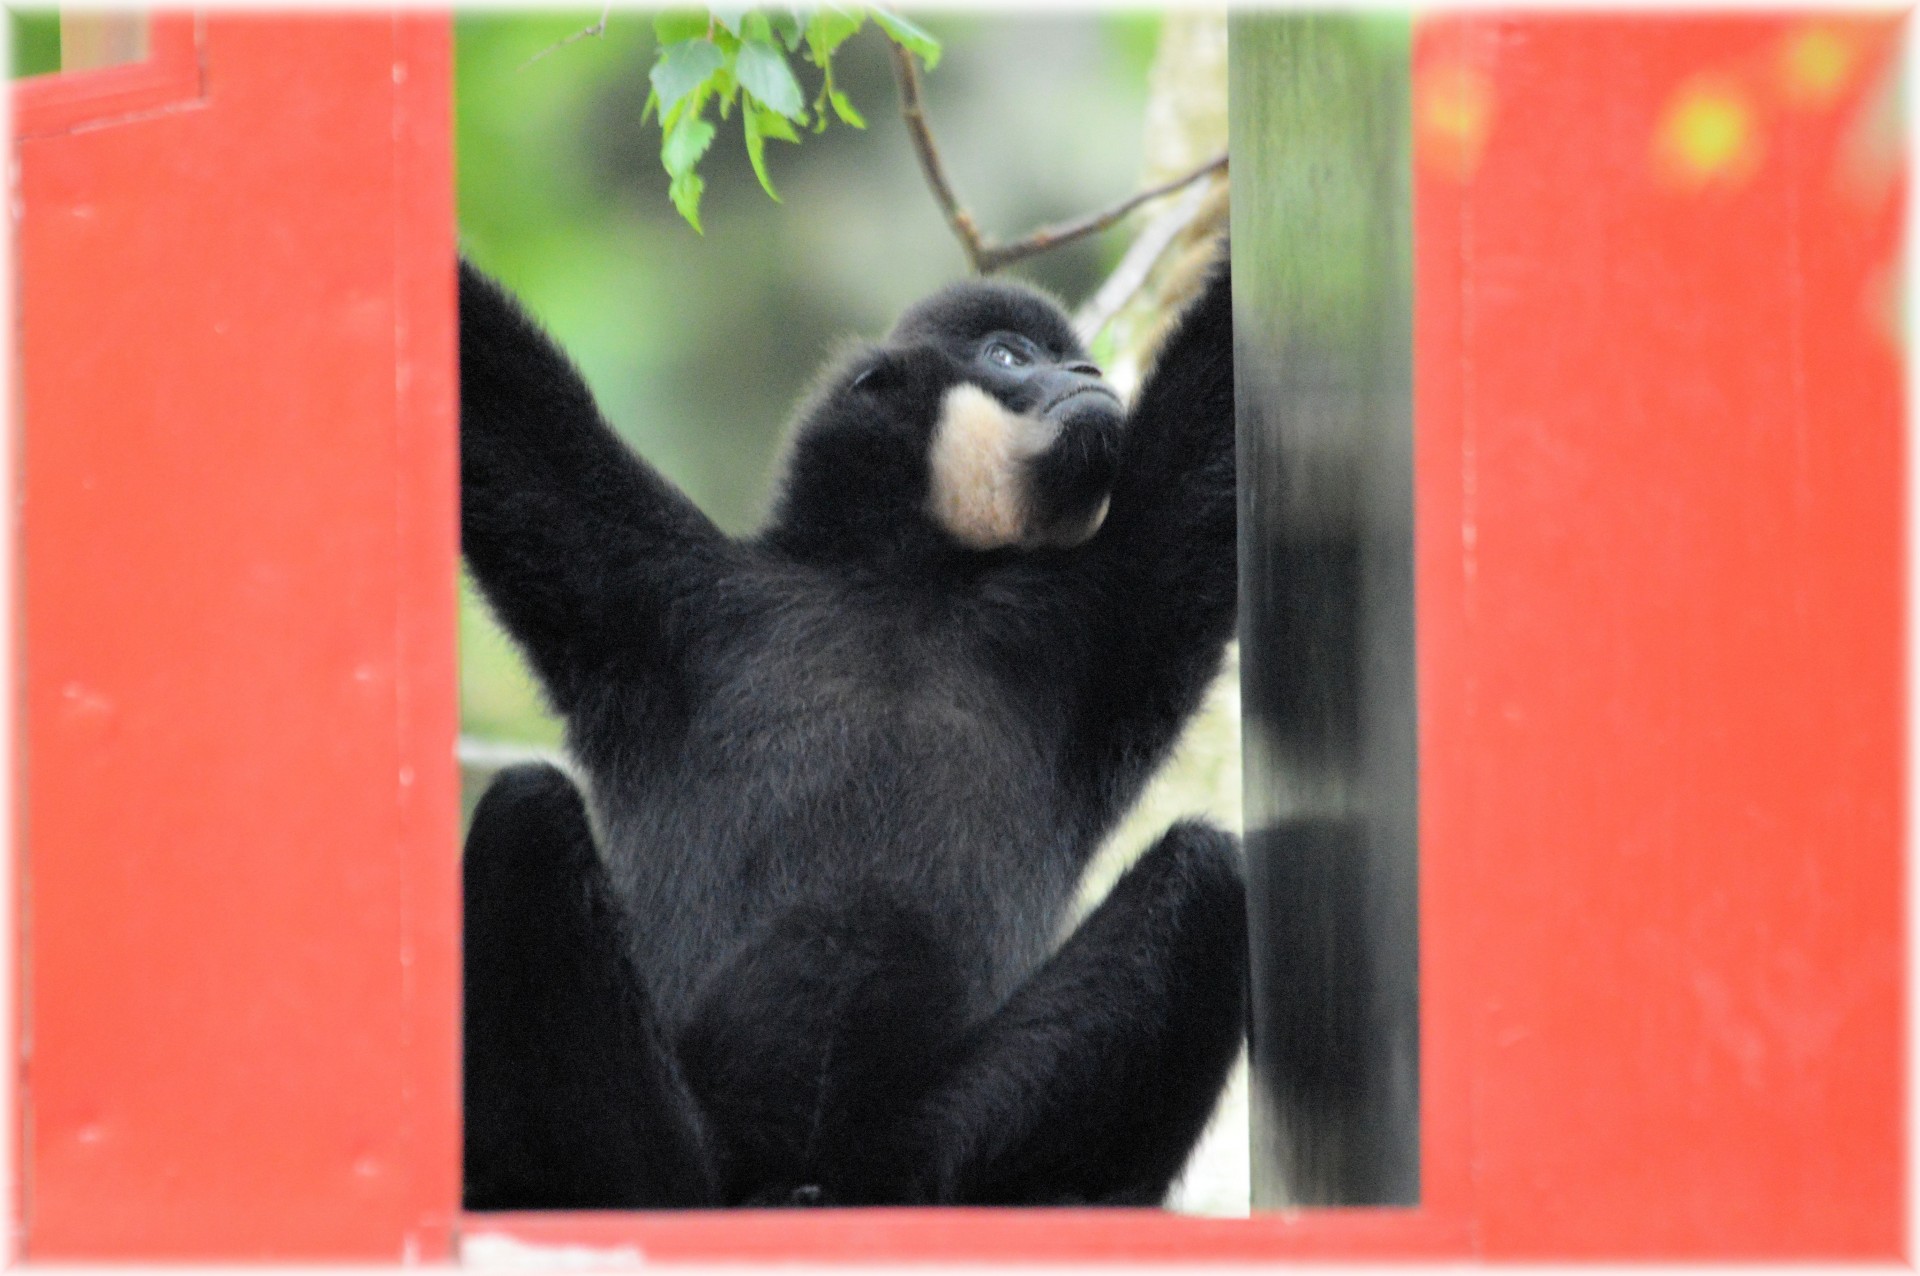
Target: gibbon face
[980,414]
[1025,442]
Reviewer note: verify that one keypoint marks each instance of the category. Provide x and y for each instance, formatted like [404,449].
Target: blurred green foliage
[33,41]
[699,346]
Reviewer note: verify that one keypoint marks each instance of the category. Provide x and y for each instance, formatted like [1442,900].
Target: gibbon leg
[1094,1081]
[814,1046]
[572,1102]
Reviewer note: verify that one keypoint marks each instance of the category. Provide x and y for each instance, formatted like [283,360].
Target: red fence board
[237,492]
[1661,459]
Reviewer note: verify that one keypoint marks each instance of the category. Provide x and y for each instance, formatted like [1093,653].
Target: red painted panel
[1661,511]
[975,1235]
[238,552]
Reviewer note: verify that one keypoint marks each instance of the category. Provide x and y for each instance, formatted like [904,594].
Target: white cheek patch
[977,462]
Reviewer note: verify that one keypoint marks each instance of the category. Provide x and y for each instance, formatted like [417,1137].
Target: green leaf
[764,72]
[761,124]
[789,28]
[844,109]
[683,67]
[729,16]
[680,24]
[692,106]
[685,192]
[756,27]
[909,37]
[685,144]
[653,104]
[757,150]
[828,29]
[686,141]
[777,126]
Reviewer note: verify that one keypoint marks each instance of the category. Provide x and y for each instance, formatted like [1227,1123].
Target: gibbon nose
[1056,388]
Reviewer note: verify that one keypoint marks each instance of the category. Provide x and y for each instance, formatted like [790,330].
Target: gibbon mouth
[1106,392]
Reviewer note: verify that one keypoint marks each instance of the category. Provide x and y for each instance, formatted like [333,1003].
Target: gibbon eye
[1005,355]
[873,378]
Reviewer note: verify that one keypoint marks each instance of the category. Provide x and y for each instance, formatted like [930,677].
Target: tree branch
[994,256]
[598,28]
[913,111]
[984,255]
[1142,255]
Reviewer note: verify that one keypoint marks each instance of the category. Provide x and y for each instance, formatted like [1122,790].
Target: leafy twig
[984,255]
[598,28]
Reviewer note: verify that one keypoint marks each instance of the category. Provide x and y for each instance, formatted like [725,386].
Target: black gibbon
[798,941]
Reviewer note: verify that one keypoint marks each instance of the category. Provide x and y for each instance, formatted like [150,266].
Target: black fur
[844,777]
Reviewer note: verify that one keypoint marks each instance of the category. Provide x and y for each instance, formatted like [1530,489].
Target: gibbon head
[980,417]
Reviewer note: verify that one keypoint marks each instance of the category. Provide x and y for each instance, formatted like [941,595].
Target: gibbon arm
[583,550]
[1162,570]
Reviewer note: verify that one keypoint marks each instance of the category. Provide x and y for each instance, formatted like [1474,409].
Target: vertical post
[1323,348]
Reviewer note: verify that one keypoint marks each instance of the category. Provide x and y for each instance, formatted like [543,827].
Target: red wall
[237,552]
[1661,458]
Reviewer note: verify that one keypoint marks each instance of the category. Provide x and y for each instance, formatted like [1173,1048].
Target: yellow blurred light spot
[1815,64]
[1453,114]
[1708,135]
